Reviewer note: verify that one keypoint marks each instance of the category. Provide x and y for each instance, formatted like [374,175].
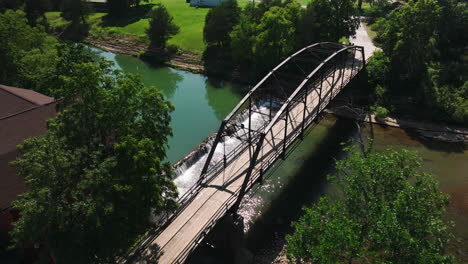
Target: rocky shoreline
[187,61]
[425,129]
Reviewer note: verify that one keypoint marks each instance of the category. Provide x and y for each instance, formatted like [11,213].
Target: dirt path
[362,39]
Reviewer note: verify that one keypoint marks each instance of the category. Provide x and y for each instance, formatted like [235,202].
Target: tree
[76,11]
[448,90]
[408,38]
[161,27]
[28,54]
[378,69]
[275,36]
[317,14]
[36,9]
[243,37]
[118,7]
[387,212]
[219,22]
[98,175]
[325,20]
[422,42]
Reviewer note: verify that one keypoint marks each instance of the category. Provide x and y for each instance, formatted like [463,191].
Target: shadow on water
[301,190]
[164,78]
[448,147]
[219,96]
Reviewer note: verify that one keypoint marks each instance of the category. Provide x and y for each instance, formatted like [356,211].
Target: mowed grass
[190,20]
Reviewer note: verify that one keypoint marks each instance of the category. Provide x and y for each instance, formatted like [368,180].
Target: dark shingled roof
[23,114]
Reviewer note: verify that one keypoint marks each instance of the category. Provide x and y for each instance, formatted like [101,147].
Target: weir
[250,139]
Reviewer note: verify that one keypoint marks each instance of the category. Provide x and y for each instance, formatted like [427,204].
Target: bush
[380,92]
[380,112]
[378,69]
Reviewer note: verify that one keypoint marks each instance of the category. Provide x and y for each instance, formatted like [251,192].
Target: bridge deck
[178,236]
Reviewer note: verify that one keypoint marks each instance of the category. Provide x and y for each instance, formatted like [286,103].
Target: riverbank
[182,60]
[425,129]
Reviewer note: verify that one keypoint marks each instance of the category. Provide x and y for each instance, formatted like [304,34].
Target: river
[200,105]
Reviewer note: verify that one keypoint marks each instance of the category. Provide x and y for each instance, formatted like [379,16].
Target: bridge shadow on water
[306,185]
[303,189]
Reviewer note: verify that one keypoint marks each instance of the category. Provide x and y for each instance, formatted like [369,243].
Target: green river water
[201,103]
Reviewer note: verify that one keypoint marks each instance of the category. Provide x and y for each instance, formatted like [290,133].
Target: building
[23,114]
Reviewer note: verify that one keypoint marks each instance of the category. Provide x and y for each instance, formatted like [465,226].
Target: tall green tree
[28,55]
[387,211]
[161,27]
[76,11]
[422,44]
[276,36]
[409,38]
[36,9]
[260,45]
[243,38]
[219,22]
[98,175]
[325,20]
[118,7]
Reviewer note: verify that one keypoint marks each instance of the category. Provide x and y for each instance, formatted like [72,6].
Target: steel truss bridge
[250,139]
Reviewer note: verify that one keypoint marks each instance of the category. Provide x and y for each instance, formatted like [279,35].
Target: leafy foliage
[76,11]
[219,23]
[118,7]
[379,111]
[267,33]
[328,21]
[27,54]
[98,175]
[420,44]
[161,27]
[388,212]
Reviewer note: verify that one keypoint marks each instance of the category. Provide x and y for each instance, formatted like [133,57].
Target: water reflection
[200,104]
[218,96]
[293,183]
[164,78]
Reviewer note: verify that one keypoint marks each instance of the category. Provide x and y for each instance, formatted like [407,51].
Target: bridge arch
[282,87]
[273,114]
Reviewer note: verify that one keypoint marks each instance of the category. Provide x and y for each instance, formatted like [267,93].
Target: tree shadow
[133,15]
[149,254]
[434,144]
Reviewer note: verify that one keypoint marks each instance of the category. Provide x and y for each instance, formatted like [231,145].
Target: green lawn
[303,2]
[191,21]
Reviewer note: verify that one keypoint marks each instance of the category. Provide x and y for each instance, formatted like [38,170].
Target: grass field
[191,21]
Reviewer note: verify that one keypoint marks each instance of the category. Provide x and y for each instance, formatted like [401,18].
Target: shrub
[380,112]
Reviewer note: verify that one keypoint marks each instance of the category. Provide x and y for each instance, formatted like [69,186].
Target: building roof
[23,114]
